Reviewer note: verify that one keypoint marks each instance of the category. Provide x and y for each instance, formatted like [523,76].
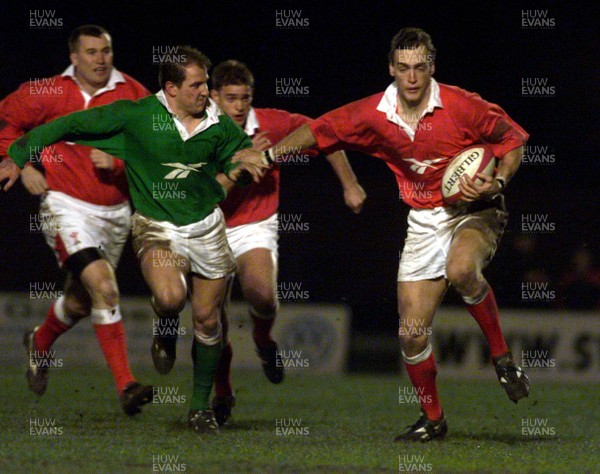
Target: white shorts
[70,225]
[257,235]
[430,233]
[203,243]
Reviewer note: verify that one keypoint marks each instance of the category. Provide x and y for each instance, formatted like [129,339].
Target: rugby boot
[37,364]
[203,421]
[424,430]
[164,342]
[222,407]
[512,378]
[272,362]
[135,395]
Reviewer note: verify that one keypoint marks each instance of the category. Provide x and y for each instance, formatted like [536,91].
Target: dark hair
[411,38]
[172,68]
[86,30]
[231,73]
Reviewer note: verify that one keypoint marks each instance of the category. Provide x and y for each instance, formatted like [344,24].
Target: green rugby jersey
[169,179]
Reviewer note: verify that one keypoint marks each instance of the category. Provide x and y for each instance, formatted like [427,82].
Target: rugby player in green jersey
[173,145]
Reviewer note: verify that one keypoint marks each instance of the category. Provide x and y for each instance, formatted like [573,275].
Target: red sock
[262,330]
[223,376]
[422,375]
[49,331]
[112,341]
[487,316]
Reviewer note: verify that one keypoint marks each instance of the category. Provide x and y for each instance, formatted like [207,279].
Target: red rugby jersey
[464,119]
[42,100]
[258,201]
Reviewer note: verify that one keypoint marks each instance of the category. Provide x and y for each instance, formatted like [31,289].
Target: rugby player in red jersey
[85,213]
[251,217]
[416,126]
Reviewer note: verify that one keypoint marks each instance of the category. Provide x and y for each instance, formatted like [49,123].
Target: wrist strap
[268,156]
[501,182]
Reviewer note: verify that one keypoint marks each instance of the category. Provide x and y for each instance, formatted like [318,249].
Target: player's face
[93,61]
[235,101]
[192,96]
[412,70]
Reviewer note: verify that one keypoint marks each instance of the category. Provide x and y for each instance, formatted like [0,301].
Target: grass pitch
[326,424]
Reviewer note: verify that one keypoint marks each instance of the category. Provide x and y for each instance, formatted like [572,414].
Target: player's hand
[247,172]
[101,160]
[8,170]
[249,155]
[473,192]
[261,142]
[355,197]
[34,181]
[255,159]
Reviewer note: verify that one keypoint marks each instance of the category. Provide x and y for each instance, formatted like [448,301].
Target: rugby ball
[469,162]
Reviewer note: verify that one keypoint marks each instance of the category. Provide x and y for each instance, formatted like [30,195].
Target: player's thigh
[207,298]
[469,251]
[113,231]
[257,272]
[476,238]
[164,272]
[419,300]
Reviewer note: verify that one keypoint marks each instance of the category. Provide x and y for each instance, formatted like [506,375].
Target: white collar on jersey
[389,105]
[252,124]
[389,101]
[212,116]
[115,77]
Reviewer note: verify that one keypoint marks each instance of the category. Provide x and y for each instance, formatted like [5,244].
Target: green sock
[206,359]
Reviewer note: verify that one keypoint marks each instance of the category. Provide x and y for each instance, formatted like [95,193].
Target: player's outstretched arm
[508,166]
[354,194]
[95,127]
[298,140]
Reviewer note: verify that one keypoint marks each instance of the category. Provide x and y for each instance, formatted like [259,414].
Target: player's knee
[412,343]
[262,300]
[208,333]
[464,277]
[170,301]
[265,307]
[108,292]
[76,309]
[206,317]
